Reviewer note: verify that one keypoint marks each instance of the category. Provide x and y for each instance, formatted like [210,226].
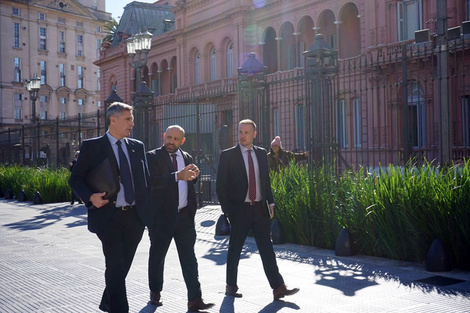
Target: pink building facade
[385,96]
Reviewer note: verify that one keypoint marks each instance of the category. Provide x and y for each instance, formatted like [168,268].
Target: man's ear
[183,140]
[254,134]
[164,135]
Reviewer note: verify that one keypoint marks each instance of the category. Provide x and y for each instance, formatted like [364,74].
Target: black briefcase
[103,179]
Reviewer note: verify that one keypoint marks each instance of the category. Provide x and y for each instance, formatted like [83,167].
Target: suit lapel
[166,159]
[109,150]
[241,164]
[185,157]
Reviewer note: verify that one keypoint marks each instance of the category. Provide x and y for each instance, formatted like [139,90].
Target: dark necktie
[251,178]
[126,178]
[175,163]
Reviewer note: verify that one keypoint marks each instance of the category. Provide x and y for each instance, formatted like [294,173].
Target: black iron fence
[49,143]
[387,106]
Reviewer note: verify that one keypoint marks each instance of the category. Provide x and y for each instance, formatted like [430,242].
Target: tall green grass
[395,213]
[51,184]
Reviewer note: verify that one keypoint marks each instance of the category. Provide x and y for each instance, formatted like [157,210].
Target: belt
[126,207]
[253,202]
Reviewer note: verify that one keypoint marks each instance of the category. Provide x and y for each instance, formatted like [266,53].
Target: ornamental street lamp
[143,101]
[138,47]
[33,86]
[254,95]
[113,97]
[321,71]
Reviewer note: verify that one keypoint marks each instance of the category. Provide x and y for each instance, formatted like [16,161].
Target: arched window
[299,127]
[342,127]
[357,122]
[417,113]
[230,60]
[213,65]
[197,69]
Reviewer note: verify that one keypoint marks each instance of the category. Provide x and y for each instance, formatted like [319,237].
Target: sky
[116,7]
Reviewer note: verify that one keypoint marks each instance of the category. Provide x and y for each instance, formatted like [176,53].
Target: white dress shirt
[182,184]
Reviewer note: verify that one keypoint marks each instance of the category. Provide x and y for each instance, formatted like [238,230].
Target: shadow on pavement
[53,215]
[343,275]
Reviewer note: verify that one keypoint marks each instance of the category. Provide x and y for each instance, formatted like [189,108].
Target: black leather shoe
[282,291]
[155,298]
[198,304]
[232,291]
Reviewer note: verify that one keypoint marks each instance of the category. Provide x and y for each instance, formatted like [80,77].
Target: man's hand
[194,168]
[97,199]
[188,173]
[271,210]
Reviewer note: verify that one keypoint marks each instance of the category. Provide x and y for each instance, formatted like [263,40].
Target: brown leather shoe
[232,291]
[155,298]
[198,304]
[282,291]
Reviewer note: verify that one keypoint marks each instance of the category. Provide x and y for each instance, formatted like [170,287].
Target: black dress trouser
[183,231]
[119,242]
[254,217]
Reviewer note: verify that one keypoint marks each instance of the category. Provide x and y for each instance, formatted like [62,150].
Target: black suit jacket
[232,180]
[92,153]
[164,188]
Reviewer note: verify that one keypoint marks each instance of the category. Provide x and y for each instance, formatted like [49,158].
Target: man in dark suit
[172,179]
[117,221]
[244,191]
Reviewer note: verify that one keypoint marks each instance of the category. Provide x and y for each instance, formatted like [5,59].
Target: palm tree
[111,28]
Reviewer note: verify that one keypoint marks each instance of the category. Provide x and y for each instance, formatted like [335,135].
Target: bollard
[437,259]
[344,243]
[22,196]
[8,194]
[37,199]
[277,234]
[222,228]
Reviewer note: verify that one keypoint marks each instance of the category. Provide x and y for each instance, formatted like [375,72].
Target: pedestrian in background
[279,158]
[244,190]
[71,165]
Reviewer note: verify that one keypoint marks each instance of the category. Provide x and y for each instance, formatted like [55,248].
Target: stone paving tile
[49,262]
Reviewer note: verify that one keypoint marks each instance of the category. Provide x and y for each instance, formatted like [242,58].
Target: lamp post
[321,71]
[254,95]
[33,86]
[143,100]
[113,97]
[138,47]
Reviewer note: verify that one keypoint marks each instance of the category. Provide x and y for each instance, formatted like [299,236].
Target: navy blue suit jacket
[92,153]
[232,180]
[164,188]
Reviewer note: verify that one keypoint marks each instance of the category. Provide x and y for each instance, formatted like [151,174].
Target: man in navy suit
[172,179]
[118,221]
[244,191]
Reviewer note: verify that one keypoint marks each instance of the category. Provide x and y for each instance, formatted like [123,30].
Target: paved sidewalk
[49,262]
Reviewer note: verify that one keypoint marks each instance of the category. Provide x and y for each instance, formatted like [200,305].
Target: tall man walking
[118,220]
[172,179]
[244,191]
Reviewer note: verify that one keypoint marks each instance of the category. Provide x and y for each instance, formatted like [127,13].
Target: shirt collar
[243,149]
[112,139]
